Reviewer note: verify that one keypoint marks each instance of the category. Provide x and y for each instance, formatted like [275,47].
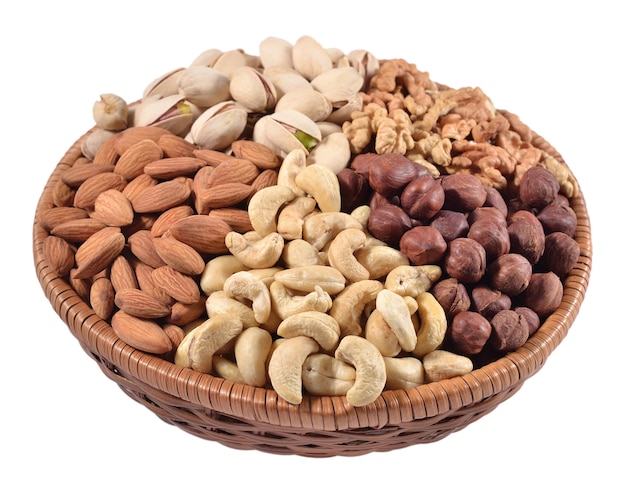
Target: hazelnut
[496,200]
[488,301]
[423,245]
[389,173]
[538,188]
[510,274]
[464,192]
[558,217]
[465,260]
[469,332]
[354,189]
[423,197]
[361,163]
[543,294]
[526,235]
[492,236]
[490,214]
[532,319]
[388,223]
[452,295]
[450,224]
[560,255]
[509,330]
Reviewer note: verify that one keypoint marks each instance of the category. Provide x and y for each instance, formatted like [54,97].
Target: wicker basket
[245,417]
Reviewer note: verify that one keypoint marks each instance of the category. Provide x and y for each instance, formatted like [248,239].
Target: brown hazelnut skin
[464,192]
[509,330]
[469,332]
[492,236]
[538,188]
[354,189]
[452,295]
[450,224]
[465,260]
[423,245]
[361,163]
[532,319]
[488,301]
[496,200]
[389,173]
[510,274]
[487,214]
[389,223]
[526,236]
[560,255]
[543,294]
[422,198]
[558,217]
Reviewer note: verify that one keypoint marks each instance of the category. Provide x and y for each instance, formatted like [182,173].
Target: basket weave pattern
[245,417]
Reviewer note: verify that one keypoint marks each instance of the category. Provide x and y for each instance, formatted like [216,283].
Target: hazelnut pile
[503,256]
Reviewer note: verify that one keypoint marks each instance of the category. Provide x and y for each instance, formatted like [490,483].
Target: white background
[68,432]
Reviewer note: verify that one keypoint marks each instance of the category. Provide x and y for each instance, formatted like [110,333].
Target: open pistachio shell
[207,58]
[170,112]
[287,130]
[338,78]
[203,86]
[308,101]
[219,126]
[250,88]
[165,85]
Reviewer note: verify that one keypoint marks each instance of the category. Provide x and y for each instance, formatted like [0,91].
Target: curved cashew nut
[266,275]
[319,229]
[395,311]
[403,372]
[291,217]
[322,184]
[369,364]
[433,324]
[285,303]
[285,366]
[220,303]
[306,278]
[197,348]
[314,324]
[254,252]
[441,364]
[341,254]
[244,284]
[227,369]
[412,280]
[301,253]
[264,206]
[379,260]
[324,375]
[252,349]
[362,214]
[349,304]
[217,270]
[379,333]
[291,166]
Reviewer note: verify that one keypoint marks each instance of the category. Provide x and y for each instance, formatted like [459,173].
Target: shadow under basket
[250,418]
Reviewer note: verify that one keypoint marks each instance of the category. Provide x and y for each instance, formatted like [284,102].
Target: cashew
[252,349]
[264,206]
[441,364]
[324,375]
[412,280]
[285,366]
[369,364]
[197,348]
[349,304]
[291,166]
[395,311]
[322,184]
[285,303]
[320,228]
[217,270]
[244,284]
[341,254]
[220,303]
[291,217]
[314,324]
[379,260]
[227,369]
[433,324]
[306,278]
[266,275]
[301,253]
[362,214]
[379,333]
[255,252]
[403,372]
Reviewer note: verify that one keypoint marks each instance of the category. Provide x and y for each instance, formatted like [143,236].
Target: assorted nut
[314,222]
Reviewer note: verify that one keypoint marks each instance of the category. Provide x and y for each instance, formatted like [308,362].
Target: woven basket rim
[315,413]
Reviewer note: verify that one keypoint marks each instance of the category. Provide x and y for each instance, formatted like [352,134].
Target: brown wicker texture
[244,417]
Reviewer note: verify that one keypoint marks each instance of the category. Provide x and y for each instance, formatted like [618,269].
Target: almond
[134,135]
[146,283]
[259,154]
[82,286]
[224,195]
[179,286]
[212,157]
[138,185]
[101,297]
[132,162]
[141,244]
[176,146]
[141,304]
[162,196]
[78,174]
[113,209]
[176,334]
[142,334]
[107,153]
[237,219]
[169,217]
[179,255]
[77,230]
[265,179]
[50,218]
[122,274]
[99,251]
[59,255]
[169,168]
[62,194]
[204,233]
[183,314]
[234,170]
[87,192]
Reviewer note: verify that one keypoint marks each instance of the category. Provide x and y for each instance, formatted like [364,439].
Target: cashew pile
[309,301]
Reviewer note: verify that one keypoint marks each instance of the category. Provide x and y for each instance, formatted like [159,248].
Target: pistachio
[308,101]
[252,90]
[203,86]
[286,80]
[165,85]
[111,112]
[287,130]
[346,78]
[172,113]
[219,126]
[275,53]
[309,58]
